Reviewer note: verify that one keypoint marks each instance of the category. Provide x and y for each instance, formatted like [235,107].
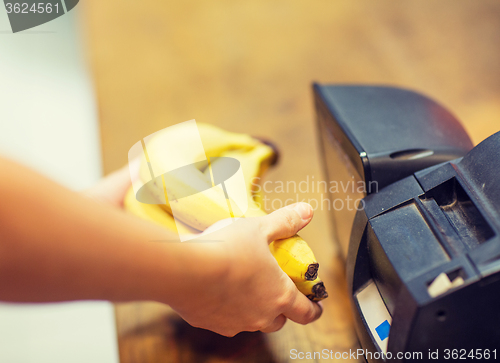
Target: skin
[61,245]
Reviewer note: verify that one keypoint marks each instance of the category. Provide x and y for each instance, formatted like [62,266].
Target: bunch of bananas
[204,202]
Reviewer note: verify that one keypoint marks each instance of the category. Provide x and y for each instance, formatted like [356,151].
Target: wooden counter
[248,67]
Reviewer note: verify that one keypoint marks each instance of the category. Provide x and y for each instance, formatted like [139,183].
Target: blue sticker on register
[383,330]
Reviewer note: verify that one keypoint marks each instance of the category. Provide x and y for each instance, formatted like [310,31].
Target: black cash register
[422,246]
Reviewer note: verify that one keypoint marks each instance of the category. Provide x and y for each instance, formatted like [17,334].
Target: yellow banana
[202,204]
[296,258]
[314,290]
[216,140]
[180,137]
[154,213]
[254,164]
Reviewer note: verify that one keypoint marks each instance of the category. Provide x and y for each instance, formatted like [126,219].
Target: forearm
[58,245]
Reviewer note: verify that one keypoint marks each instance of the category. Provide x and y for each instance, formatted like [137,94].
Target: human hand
[233,284]
[112,188]
[242,287]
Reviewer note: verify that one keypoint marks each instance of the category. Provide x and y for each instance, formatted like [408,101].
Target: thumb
[287,221]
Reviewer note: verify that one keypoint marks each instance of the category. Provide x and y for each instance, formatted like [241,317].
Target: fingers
[287,221]
[112,188]
[276,325]
[133,167]
[302,310]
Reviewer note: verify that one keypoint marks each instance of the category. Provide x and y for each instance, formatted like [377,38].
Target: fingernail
[303,209]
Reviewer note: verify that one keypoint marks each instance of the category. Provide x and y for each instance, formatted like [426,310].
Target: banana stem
[312,272]
[318,292]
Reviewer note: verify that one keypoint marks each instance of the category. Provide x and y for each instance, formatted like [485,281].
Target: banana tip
[273,146]
[312,271]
